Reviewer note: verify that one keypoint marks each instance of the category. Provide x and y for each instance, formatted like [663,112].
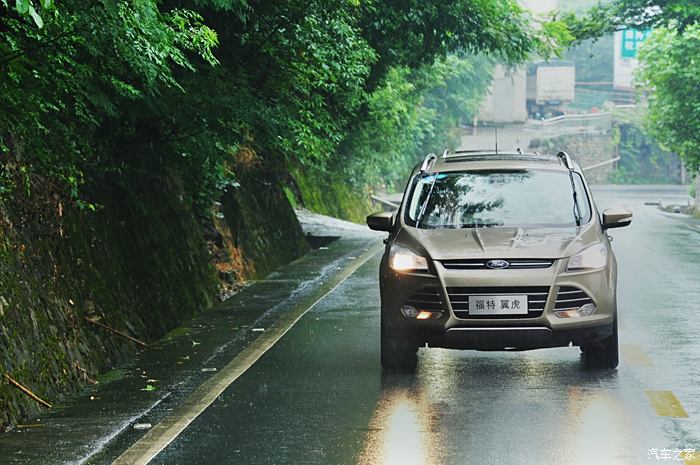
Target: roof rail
[430,159]
[480,153]
[468,151]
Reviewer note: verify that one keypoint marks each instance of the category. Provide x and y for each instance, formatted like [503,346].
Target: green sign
[631,40]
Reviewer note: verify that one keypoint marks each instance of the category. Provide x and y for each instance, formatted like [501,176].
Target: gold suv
[498,251]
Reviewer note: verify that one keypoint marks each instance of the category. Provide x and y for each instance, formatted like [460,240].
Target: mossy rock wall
[329,194]
[138,264]
[262,222]
[141,263]
[587,149]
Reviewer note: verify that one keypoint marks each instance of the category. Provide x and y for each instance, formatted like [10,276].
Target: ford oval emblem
[497,264]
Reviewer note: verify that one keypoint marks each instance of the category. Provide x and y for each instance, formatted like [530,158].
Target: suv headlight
[402,259]
[590,258]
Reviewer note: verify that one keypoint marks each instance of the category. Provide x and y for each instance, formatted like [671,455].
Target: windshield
[514,198]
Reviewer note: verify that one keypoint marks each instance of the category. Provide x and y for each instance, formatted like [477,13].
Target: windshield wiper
[424,206]
[480,225]
[567,161]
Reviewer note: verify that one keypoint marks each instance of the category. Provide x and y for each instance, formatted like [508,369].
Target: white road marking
[162,434]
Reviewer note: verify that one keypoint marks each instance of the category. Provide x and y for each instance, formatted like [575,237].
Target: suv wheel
[399,349]
[602,354]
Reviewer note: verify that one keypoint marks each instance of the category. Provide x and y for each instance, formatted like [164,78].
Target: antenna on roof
[519,150]
[495,135]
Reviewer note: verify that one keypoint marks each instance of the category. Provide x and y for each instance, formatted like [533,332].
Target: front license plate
[498,304]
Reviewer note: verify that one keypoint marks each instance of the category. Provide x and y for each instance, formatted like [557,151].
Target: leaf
[35,16]
[46,4]
[22,6]
[149,387]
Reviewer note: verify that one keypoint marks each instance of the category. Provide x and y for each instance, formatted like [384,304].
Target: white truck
[550,86]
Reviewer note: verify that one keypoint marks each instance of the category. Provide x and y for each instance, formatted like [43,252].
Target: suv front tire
[398,346]
[604,353]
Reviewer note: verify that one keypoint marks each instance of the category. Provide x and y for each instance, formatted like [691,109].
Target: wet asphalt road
[319,396]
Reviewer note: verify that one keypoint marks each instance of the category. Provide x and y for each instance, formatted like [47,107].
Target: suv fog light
[586,310]
[425,315]
[409,311]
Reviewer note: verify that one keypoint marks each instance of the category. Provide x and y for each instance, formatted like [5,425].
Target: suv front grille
[536,299]
[427,298]
[571,297]
[480,264]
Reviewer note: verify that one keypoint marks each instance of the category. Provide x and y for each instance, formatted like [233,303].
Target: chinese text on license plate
[498,304]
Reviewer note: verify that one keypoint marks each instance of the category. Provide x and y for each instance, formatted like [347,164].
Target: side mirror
[616,218]
[383,221]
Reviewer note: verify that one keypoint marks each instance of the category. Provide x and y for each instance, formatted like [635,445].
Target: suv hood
[451,244]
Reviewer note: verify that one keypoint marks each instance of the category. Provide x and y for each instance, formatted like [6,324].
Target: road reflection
[400,431]
[463,408]
[601,430]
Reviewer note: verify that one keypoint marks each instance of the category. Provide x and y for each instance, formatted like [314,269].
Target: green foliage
[413,33]
[109,90]
[411,113]
[593,58]
[670,64]
[604,18]
[28,8]
[642,160]
[62,87]
[670,70]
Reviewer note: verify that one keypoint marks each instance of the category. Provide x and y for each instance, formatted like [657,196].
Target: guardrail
[388,203]
[602,163]
[587,123]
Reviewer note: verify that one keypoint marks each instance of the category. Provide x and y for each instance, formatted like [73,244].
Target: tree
[112,89]
[670,71]
[670,64]
[605,18]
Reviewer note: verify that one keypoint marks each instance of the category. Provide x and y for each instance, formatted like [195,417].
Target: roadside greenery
[100,91]
[643,161]
[670,65]
[670,72]
[606,17]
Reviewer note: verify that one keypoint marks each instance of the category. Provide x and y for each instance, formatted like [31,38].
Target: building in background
[506,101]
[627,44]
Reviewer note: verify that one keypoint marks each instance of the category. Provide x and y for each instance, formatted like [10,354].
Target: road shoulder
[99,423]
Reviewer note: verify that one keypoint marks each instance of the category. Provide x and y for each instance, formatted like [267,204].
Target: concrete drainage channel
[320,242]
[168,384]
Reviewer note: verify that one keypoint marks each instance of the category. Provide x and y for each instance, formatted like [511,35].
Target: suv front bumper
[532,331]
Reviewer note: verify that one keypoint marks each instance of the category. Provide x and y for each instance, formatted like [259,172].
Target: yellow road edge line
[666,404]
[634,355]
[163,433]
